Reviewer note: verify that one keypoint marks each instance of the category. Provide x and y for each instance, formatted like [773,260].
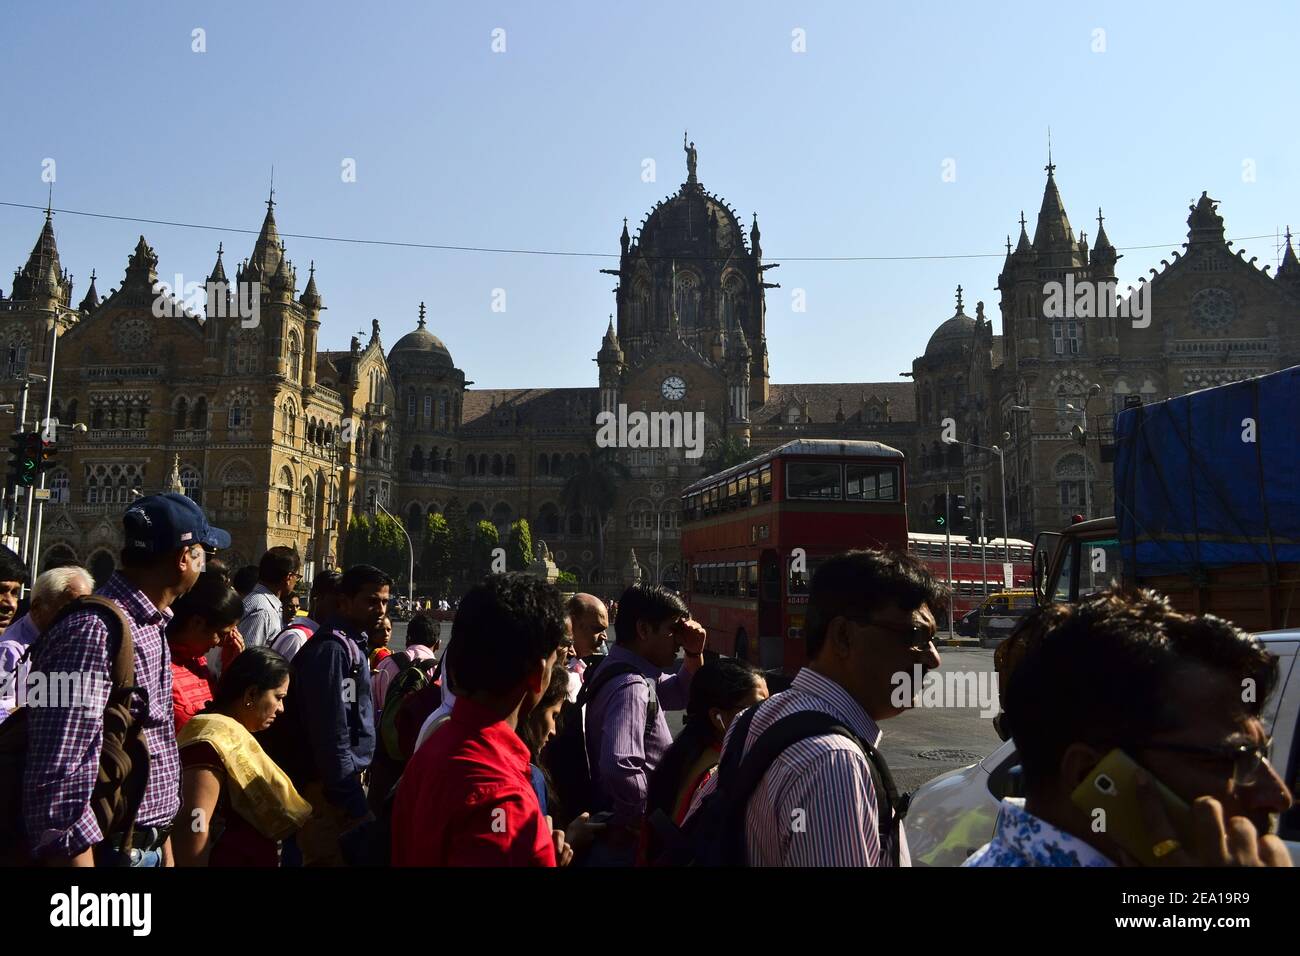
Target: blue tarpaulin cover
[1191,489]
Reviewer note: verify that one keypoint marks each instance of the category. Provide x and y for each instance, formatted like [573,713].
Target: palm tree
[591,488]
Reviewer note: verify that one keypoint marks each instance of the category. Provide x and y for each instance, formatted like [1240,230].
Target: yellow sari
[257,789]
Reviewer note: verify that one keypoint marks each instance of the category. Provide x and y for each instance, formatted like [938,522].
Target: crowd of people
[220,725]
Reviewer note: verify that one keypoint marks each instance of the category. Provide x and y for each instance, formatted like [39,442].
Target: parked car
[952,816]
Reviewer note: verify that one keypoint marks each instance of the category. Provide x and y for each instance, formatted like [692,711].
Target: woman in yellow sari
[236,803]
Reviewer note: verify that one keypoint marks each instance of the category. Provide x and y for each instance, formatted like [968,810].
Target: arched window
[498,466]
[543,465]
[308,503]
[59,556]
[510,464]
[72,411]
[417,459]
[236,485]
[290,422]
[483,464]
[733,302]
[548,519]
[476,512]
[182,413]
[434,462]
[413,515]
[557,464]
[575,524]
[688,301]
[284,511]
[1070,478]
[59,487]
[199,418]
[502,515]
[295,356]
[192,483]
[470,467]
[374,446]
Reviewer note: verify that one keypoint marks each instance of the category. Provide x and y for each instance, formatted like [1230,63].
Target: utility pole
[947,531]
[52,431]
[410,581]
[984,557]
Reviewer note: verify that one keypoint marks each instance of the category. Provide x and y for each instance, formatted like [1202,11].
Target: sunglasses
[1247,759]
[914,636]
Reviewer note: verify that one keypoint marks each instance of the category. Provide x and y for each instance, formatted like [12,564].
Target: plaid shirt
[64,740]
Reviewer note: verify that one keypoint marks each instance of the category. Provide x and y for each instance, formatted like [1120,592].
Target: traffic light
[940,511]
[31,456]
[973,528]
[958,516]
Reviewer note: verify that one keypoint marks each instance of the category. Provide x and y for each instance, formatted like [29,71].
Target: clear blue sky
[839,150]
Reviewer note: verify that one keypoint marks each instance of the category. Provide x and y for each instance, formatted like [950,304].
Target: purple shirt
[622,750]
[18,637]
[64,741]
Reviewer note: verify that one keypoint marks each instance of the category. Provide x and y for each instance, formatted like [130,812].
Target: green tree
[389,551]
[566,579]
[484,538]
[592,488]
[725,452]
[357,543]
[459,531]
[519,546]
[435,555]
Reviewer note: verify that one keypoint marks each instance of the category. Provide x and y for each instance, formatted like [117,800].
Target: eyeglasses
[1247,759]
[916,636]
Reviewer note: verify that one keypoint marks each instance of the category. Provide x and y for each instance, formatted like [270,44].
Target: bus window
[1101,562]
[753,488]
[733,494]
[813,480]
[799,580]
[751,579]
[870,483]
[765,483]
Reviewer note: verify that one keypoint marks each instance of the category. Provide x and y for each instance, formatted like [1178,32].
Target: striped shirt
[816,805]
[65,737]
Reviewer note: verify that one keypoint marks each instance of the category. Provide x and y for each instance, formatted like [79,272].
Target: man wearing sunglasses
[1179,695]
[828,799]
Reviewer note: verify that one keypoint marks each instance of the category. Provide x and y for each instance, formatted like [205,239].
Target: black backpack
[566,756]
[714,835]
[411,678]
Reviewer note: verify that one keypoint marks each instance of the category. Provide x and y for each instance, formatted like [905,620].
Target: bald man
[588,620]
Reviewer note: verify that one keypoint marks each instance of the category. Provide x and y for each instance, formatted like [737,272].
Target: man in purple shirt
[53,589]
[163,555]
[627,732]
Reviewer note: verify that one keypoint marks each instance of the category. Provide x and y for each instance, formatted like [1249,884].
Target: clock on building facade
[673,388]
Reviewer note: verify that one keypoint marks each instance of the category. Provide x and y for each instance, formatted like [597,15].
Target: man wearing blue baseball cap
[166,537]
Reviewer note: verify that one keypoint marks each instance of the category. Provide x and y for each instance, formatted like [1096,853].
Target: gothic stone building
[281,441]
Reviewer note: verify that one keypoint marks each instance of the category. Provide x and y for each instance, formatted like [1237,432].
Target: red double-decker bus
[752,536]
[977,569]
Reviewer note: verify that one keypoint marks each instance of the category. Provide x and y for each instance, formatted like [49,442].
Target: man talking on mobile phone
[1181,697]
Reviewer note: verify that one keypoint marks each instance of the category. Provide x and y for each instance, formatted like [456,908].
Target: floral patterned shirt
[1021,839]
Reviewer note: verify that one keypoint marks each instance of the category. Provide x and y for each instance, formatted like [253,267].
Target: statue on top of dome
[691,158]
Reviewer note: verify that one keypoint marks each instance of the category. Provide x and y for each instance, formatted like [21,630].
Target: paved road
[961,731]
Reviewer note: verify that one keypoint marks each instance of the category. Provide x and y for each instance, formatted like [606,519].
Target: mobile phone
[1112,788]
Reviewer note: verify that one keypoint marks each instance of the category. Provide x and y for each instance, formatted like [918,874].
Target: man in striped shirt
[166,537]
[871,617]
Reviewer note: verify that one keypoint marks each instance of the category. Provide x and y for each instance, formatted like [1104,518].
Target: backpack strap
[121,646]
[745,773]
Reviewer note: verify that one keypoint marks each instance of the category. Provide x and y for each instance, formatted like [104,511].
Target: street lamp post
[410,580]
[1082,427]
[1002,473]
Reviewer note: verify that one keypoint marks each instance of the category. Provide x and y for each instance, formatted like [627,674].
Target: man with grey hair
[52,592]
[588,622]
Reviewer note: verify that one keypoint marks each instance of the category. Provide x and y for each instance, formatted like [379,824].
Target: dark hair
[211,599]
[651,603]
[422,630]
[12,567]
[216,564]
[503,627]
[361,575]
[244,580]
[1103,672]
[326,583]
[857,583]
[723,682]
[277,564]
[258,667]
[530,728]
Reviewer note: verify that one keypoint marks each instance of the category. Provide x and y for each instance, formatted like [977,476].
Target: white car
[952,816]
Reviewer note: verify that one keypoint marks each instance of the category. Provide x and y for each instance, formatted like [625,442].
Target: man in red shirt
[466,798]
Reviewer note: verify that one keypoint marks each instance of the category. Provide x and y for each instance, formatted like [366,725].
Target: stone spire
[1288,273]
[42,276]
[91,302]
[311,296]
[267,250]
[754,245]
[624,240]
[1023,245]
[1053,233]
[142,267]
[219,270]
[1103,256]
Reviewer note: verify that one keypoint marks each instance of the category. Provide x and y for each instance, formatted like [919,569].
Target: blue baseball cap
[161,523]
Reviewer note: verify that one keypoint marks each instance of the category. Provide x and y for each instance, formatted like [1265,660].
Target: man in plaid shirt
[166,537]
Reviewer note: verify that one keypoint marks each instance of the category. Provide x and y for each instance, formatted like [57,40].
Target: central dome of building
[422,342]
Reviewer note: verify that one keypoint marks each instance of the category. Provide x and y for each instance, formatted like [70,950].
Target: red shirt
[192,688]
[466,798]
